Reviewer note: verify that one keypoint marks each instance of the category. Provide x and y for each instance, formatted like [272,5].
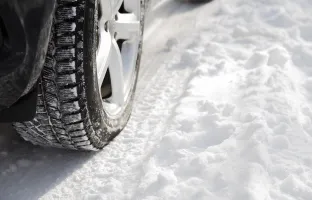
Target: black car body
[24,34]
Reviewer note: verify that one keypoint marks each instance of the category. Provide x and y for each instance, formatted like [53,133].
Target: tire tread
[60,121]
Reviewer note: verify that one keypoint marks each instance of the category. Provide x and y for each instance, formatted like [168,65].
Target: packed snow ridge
[223,112]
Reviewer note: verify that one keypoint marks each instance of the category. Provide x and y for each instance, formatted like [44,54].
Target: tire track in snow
[158,111]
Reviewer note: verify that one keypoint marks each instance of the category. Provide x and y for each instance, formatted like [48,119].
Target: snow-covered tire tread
[62,118]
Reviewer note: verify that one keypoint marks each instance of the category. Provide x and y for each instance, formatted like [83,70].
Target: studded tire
[69,108]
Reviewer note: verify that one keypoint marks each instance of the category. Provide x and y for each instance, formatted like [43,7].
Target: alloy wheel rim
[119,34]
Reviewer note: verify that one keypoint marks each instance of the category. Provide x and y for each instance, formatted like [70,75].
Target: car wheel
[89,78]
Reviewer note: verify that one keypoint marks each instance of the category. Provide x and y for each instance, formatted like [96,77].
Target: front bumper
[25,27]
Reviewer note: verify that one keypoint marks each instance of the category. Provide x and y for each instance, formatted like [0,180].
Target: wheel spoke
[127,27]
[109,8]
[116,6]
[106,8]
[132,7]
[116,75]
[103,55]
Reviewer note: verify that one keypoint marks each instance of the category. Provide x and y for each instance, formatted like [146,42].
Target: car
[69,69]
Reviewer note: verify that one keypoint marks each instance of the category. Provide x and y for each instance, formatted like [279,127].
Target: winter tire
[88,82]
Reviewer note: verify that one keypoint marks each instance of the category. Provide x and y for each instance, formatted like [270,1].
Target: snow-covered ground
[223,112]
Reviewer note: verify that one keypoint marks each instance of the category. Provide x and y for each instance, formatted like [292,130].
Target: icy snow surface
[223,112]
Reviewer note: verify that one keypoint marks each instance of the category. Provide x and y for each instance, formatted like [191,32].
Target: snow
[223,112]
